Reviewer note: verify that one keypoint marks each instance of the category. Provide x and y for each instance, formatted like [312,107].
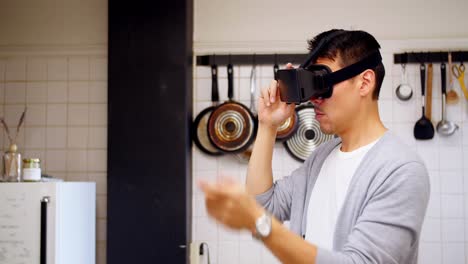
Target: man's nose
[316,100]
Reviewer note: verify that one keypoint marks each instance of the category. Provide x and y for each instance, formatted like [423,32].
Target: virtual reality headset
[317,81]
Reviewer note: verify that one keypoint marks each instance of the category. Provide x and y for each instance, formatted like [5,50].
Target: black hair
[349,47]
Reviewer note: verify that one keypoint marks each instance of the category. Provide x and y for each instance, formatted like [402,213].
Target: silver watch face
[263,225]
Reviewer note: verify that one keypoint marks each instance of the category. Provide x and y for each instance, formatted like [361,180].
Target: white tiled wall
[66,122]
[444,237]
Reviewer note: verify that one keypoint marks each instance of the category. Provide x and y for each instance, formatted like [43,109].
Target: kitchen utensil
[452,95]
[289,126]
[444,127]
[200,124]
[429,92]
[459,73]
[231,126]
[404,91]
[308,135]
[423,129]
[245,156]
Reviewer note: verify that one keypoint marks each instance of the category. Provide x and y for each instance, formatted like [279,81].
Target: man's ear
[367,83]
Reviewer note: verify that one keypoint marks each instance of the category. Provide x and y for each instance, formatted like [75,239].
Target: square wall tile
[206,229]
[434,178]
[56,160]
[77,160]
[433,208]
[101,206]
[77,137]
[78,92]
[98,92]
[78,114]
[203,89]
[15,93]
[452,181]
[36,92]
[452,206]
[56,114]
[431,230]
[227,234]
[12,116]
[101,230]
[101,250]
[36,115]
[98,69]
[78,68]
[228,252]
[98,114]
[453,230]
[202,72]
[57,92]
[16,69]
[2,93]
[97,137]
[430,156]
[268,257]
[77,177]
[97,160]
[101,182]
[451,158]
[57,69]
[56,137]
[36,69]
[35,137]
[430,253]
[453,253]
[2,69]
[250,253]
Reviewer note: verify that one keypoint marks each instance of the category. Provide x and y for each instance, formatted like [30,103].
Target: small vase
[12,165]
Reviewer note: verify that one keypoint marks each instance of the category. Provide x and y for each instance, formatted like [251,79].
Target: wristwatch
[262,226]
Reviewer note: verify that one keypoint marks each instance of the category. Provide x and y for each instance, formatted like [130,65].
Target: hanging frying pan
[289,126]
[231,126]
[308,135]
[200,124]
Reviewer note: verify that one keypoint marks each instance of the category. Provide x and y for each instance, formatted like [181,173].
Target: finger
[265,96]
[289,66]
[273,90]
[213,190]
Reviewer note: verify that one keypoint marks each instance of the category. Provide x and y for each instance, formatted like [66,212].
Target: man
[359,198]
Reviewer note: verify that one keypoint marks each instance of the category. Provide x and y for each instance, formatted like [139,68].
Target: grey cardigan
[384,208]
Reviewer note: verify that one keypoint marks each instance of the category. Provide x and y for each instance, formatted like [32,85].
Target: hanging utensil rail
[427,57]
[246,59]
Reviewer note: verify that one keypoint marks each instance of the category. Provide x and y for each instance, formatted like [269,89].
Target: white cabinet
[48,223]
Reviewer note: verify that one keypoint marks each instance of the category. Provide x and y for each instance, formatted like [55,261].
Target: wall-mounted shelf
[249,59]
[426,57]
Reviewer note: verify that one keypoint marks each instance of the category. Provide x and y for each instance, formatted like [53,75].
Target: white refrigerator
[48,223]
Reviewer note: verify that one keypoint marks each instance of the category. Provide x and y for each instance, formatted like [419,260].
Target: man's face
[335,114]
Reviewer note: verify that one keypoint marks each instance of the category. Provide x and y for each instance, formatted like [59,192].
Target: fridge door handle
[43,247]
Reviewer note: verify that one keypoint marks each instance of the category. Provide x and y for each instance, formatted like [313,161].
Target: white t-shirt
[329,192]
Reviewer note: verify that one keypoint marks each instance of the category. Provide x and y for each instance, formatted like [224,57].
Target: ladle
[404,91]
[444,127]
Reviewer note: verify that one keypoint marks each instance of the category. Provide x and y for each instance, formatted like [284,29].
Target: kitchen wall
[66,120]
[53,59]
[278,26]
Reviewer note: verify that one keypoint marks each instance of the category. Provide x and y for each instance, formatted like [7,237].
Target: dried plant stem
[21,121]
[5,126]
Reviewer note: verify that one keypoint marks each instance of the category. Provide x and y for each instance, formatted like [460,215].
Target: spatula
[423,129]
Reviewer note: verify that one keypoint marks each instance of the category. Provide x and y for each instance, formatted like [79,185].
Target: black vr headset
[316,81]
